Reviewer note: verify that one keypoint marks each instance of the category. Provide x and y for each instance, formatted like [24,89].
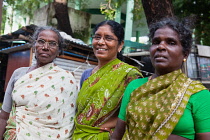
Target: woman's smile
[101,49]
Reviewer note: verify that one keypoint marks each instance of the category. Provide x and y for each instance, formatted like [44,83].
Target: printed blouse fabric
[44,105]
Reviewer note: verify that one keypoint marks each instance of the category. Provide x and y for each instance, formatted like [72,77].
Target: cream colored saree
[43,105]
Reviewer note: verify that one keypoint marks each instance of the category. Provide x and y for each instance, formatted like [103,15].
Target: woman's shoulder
[88,70]
[201,94]
[21,71]
[200,98]
[137,83]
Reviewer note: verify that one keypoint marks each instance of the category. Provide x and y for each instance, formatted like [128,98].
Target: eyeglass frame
[40,45]
[104,38]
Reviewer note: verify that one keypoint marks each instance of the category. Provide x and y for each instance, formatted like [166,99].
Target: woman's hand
[202,136]
[3,121]
[119,130]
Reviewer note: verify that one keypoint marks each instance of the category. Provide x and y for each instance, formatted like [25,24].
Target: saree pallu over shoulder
[156,107]
[44,105]
[100,97]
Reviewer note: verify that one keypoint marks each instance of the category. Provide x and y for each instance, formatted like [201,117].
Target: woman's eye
[41,41]
[109,38]
[155,42]
[97,37]
[172,43]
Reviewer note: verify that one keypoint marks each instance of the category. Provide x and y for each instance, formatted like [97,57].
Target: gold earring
[184,59]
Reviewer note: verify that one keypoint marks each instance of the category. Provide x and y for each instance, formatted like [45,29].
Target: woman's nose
[101,41]
[161,46]
[45,46]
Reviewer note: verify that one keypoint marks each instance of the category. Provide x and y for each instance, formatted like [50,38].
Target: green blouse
[196,117]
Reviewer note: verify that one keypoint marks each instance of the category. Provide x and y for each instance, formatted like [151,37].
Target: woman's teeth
[101,49]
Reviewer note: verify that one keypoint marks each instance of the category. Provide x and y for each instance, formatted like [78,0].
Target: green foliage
[4,11]
[109,13]
[23,8]
[138,8]
[26,7]
[83,3]
[199,8]
[110,7]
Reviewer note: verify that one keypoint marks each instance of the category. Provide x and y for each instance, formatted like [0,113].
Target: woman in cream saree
[39,102]
[43,106]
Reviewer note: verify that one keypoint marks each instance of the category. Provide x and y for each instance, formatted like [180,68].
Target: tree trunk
[62,16]
[157,9]
[1,10]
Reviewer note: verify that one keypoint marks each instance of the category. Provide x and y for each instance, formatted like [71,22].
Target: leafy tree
[26,8]
[109,8]
[154,9]
[23,8]
[2,16]
[199,8]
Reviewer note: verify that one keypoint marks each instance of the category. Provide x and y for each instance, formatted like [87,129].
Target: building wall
[16,60]
[79,20]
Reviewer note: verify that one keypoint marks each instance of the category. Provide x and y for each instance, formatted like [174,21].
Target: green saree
[100,97]
[156,107]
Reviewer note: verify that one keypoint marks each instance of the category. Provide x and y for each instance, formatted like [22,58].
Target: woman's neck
[153,76]
[101,63]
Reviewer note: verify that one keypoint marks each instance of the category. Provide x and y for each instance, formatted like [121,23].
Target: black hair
[116,28]
[183,29]
[42,28]
[31,27]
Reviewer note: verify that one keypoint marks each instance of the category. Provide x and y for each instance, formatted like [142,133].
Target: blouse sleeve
[125,101]
[7,103]
[85,75]
[201,111]
[126,97]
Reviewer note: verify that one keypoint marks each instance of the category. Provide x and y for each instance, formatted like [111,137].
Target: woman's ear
[121,46]
[186,55]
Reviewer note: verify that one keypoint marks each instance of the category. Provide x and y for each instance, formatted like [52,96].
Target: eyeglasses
[106,38]
[51,44]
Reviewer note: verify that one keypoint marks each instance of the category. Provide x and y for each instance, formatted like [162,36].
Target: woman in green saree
[167,105]
[103,87]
